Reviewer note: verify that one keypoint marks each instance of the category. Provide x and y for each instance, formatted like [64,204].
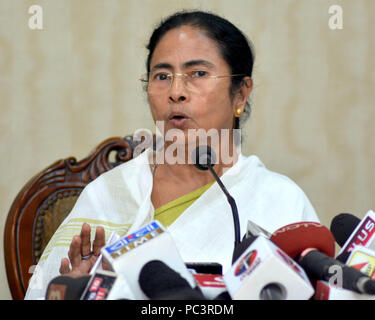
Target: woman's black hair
[234,47]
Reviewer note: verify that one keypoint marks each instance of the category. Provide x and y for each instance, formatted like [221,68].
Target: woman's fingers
[85,240]
[80,247]
[99,241]
[74,253]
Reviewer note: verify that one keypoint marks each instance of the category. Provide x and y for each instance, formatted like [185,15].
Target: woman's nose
[178,91]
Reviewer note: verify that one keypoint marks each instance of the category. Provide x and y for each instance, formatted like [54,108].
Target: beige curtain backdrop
[66,88]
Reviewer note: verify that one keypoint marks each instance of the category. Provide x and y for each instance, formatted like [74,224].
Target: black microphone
[159,282]
[66,288]
[342,227]
[204,158]
[318,266]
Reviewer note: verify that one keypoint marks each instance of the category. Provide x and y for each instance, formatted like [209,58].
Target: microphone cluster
[296,262]
[293,263]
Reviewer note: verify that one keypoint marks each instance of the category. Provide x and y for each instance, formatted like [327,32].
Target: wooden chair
[45,201]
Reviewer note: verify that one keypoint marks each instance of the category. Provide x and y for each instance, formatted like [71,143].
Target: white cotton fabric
[120,201]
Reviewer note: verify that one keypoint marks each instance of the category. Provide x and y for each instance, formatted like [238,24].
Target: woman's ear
[242,95]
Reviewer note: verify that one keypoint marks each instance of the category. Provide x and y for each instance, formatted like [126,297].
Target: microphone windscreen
[66,288]
[159,282]
[223,296]
[296,237]
[203,157]
[342,226]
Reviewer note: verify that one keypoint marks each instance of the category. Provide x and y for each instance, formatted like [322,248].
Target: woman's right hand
[82,256]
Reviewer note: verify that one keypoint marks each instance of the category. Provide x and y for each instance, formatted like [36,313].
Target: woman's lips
[178,119]
[178,122]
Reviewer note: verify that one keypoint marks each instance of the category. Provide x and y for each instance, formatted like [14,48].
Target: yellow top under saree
[170,211]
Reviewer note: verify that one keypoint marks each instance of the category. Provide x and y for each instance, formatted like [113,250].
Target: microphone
[160,282]
[318,265]
[342,226]
[313,246]
[66,288]
[358,256]
[204,158]
[209,278]
[130,253]
[349,232]
[102,285]
[107,285]
[262,271]
[296,237]
[212,286]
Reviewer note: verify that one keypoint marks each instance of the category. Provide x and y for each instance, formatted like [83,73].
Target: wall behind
[66,88]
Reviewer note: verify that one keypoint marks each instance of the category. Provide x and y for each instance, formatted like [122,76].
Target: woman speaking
[198,79]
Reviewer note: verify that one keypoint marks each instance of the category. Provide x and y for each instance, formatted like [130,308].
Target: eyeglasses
[198,80]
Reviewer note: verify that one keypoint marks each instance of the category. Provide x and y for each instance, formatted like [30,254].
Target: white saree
[120,201]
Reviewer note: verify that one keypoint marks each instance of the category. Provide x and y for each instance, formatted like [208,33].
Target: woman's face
[181,106]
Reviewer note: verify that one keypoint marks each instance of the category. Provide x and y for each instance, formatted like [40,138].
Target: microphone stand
[233,205]
[203,159]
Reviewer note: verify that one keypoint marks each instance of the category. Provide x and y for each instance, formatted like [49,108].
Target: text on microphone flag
[133,240]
